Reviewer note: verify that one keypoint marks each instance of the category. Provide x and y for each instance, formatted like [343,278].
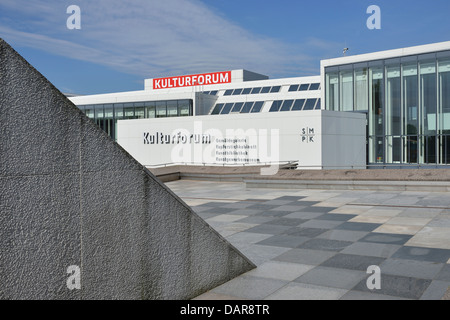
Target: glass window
[247,107]
[276,106]
[376,103]
[346,87]
[237,92]
[205,92]
[89,112]
[118,111]
[184,108]
[150,110]
[332,91]
[246,91]
[139,110]
[318,105]
[99,112]
[428,94]
[265,90]
[213,93]
[445,149]
[109,120]
[304,87]
[258,106]
[256,90]
[310,104]
[128,109]
[227,108]
[361,89]
[314,86]
[298,105]
[237,107]
[275,89]
[109,111]
[411,149]
[428,146]
[410,99]
[376,150]
[100,116]
[228,92]
[287,104]
[217,108]
[444,96]
[161,110]
[172,108]
[393,102]
[293,88]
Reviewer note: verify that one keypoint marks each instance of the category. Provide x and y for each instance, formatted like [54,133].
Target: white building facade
[229,118]
[377,110]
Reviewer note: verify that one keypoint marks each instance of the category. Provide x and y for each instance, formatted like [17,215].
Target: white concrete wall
[313,138]
[343,140]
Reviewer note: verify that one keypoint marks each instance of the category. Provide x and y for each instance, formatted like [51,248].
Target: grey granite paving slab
[303,291]
[249,287]
[262,206]
[372,249]
[288,208]
[307,203]
[306,232]
[274,213]
[321,224]
[284,241]
[292,222]
[405,287]
[325,244]
[332,277]
[388,238]
[305,256]
[411,268]
[444,273]
[358,226]
[269,229]
[317,209]
[359,295]
[344,235]
[353,262]
[336,217]
[256,219]
[436,290]
[291,198]
[303,215]
[423,254]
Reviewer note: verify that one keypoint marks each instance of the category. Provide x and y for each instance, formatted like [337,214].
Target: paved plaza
[319,244]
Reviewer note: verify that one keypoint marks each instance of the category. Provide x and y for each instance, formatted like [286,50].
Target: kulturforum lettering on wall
[192,80]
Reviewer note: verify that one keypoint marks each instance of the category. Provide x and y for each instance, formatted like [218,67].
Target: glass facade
[407,102]
[106,115]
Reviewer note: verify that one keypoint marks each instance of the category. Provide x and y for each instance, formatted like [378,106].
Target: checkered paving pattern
[317,244]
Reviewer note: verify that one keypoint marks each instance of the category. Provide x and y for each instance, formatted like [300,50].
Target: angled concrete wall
[70,196]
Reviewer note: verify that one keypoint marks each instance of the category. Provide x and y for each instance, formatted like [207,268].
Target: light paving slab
[303,291]
[398,229]
[280,270]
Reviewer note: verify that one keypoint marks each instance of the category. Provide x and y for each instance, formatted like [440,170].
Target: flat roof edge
[422,49]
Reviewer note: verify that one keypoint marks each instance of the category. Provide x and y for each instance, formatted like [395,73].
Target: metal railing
[294,164]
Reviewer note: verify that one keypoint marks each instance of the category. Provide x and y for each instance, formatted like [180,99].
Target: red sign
[192,80]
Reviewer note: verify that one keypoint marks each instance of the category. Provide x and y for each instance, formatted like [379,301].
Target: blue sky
[123,42]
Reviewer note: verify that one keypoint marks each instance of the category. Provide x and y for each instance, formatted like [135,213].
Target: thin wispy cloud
[148,38]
